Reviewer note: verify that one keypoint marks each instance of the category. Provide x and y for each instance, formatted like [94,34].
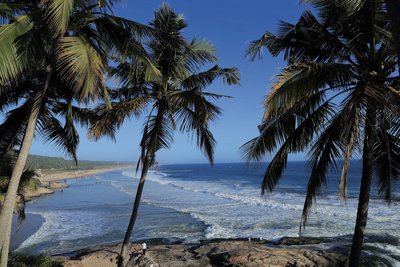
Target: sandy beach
[65,174]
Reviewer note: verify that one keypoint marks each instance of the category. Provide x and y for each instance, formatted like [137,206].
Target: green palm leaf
[203,79]
[300,80]
[80,66]
[107,121]
[13,62]
[325,154]
[12,128]
[58,15]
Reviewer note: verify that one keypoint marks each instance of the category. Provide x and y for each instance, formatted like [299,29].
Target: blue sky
[230,25]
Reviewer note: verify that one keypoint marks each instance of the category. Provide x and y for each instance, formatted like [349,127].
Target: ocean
[191,202]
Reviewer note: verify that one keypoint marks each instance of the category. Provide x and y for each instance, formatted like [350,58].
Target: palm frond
[192,121]
[324,154]
[348,152]
[302,80]
[80,66]
[107,121]
[58,15]
[386,154]
[121,36]
[162,130]
[350,121]
[64,137]
[255,49]
[80,115]
[203,79]
[13,128]
[297,141]
[198,53]
[274,131]
[308,39]
[195,101]
[13,62]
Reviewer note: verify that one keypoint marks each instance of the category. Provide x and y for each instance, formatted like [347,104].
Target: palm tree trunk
[9,202]
[150,154]
[365,189]
[135,210]
[11,195]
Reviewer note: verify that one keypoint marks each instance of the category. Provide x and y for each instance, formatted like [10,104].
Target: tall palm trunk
[11,195]
[150,154]
[9,203]
[134,214]
[365,189]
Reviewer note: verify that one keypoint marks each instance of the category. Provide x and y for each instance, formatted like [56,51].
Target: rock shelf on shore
[210,253]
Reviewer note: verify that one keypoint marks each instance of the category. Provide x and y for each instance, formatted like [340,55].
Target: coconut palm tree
[173,100]
[337,97]
[68,42]
[56,121]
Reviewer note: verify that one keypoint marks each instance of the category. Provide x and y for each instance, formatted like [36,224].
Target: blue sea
[190,202]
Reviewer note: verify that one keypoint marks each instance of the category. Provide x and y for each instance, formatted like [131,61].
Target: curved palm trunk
[146,165]
[365,189]
[11,195]
[9,203]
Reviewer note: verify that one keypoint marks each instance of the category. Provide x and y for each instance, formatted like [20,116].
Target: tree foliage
[341,73]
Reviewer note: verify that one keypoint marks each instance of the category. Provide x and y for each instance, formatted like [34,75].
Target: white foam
[68,225]
[388,249]
[329,216]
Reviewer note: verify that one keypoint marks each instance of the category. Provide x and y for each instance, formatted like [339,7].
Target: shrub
[21,260]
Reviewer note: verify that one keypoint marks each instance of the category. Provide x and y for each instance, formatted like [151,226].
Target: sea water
[190,202]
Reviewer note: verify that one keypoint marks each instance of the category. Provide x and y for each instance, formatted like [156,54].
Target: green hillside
[44,162]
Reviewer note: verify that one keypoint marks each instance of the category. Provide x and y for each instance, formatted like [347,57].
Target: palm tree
[68,42]
[338,96]
[175,99]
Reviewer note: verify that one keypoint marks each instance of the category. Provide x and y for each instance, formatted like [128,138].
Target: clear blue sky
[230,25]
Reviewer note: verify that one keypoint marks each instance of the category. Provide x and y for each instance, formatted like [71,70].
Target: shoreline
[75,174]
[50,183]
[185,253]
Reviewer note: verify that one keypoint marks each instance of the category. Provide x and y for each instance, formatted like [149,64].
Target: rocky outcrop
[233,253]
[42,188]
[286,252]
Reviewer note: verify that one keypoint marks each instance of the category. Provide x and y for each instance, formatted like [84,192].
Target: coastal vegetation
[53,54]
[20,260]
[174,100]
[337,97]
[36,162]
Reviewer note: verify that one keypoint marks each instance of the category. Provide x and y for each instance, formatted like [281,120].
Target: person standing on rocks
[144,248]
